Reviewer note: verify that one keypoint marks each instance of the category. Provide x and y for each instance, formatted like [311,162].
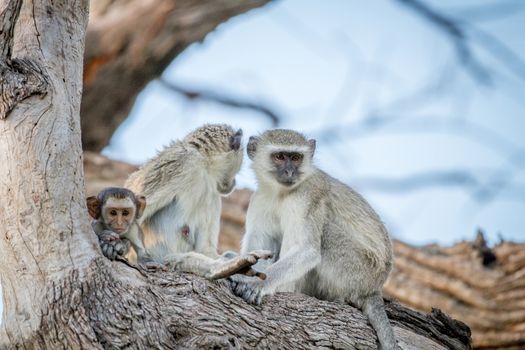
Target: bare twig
[459,30]
[458,35]
[484,12]
[480,191]
[213,96]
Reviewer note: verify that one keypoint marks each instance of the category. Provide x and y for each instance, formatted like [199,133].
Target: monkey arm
[291,267]
[298,253]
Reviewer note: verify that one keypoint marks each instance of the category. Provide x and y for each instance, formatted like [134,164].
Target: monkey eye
[125,213]
[279,156]
[296,157]
[113,212]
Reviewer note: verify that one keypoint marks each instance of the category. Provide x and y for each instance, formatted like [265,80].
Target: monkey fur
[326,240]
[183,185]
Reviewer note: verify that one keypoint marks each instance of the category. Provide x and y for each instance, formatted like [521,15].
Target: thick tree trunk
[59,292]
[41,176]
[129,43]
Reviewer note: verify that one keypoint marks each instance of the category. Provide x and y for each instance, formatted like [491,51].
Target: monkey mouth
[119,230]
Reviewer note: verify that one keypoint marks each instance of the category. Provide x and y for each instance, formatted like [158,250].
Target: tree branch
[118,63]
[458,36]
[230,101]
[114,306]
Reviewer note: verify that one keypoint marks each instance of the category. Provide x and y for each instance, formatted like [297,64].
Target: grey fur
[183,185]
[326,239]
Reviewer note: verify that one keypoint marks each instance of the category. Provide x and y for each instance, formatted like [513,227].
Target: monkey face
[287,167]
[119,214]
[226,165]
[281,156]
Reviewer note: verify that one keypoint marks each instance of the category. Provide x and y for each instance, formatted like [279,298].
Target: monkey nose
[289,172]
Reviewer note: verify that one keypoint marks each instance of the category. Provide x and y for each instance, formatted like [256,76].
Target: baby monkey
[115,211]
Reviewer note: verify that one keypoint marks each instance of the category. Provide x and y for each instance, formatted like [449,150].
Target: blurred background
[418,105]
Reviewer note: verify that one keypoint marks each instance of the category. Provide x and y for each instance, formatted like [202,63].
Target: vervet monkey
[326,240]
[115,212]
[183,185]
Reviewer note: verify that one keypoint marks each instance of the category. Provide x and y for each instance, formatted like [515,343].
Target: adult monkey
[326,240]
[183,185]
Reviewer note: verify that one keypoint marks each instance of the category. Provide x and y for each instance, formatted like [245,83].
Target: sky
[336,65]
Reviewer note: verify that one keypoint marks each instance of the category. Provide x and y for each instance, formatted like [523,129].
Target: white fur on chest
[279,217]
[198,208]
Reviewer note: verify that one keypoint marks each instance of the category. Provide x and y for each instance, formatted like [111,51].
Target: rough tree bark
[59,292]
[129,43]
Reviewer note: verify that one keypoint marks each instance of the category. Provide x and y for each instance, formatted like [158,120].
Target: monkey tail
[374,309]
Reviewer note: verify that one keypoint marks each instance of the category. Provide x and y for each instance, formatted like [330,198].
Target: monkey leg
[202,265]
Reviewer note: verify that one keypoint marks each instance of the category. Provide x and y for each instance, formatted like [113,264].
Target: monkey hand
[107,236]
[249,289]
[111,245]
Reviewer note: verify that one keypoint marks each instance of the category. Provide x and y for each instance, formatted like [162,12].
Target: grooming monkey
[326,240]
[183,185]
[115,212]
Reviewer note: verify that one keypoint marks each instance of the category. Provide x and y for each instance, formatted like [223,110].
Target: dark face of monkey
[287,166]
[230,164]
[117,207]
[281,156]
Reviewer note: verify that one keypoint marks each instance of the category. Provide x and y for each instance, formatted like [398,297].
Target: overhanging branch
[230,101]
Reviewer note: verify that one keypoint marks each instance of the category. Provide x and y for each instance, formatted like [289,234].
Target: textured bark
[483,287]
[19,77]
[41,175]
[129,43]
[110,305]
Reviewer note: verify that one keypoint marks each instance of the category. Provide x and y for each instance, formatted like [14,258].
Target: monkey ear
[311,144]
[93,205]
[141,205]
[251,148]
[235,140]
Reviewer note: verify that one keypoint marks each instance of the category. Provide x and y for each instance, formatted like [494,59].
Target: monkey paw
[262,254]
[249,290]
[111,246]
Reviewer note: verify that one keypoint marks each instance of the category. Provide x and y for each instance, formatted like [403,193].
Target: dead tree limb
[130,43]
